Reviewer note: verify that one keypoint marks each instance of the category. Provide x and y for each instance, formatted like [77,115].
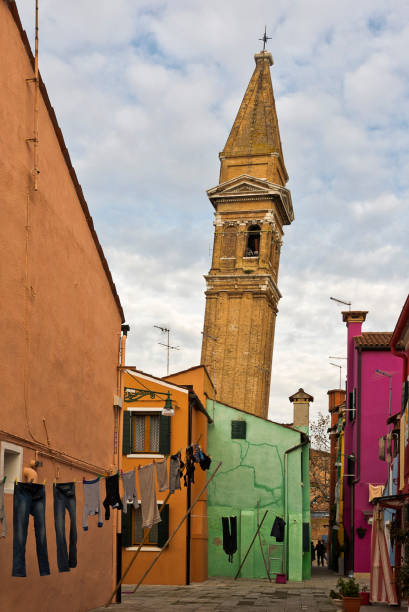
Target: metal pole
[177,528]
[144,541]
[261,545]
[252,542]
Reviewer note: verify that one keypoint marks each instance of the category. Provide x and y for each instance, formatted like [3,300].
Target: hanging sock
[112,495]
[92,502]
[162,475]
[130,493]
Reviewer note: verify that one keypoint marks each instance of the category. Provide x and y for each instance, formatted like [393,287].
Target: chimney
[301,401]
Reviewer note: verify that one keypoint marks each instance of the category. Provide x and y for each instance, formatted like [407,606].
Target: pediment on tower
[247,188]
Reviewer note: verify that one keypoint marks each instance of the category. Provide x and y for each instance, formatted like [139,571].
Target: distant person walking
[312,552]
[320,550]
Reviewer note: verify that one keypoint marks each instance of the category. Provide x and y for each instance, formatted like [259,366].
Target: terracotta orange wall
[171,567]
[199,534]
[59,338]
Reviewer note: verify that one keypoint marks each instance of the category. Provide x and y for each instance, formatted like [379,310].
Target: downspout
[357,459]
[286,453]
[119,420]
[188,492]
[403,356]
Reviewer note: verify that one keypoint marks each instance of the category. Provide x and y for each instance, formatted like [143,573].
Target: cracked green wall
[253,472]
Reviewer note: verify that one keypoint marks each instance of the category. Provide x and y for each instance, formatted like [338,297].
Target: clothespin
[44,481]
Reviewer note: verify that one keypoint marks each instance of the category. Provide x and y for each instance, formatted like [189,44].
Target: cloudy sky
[146,93]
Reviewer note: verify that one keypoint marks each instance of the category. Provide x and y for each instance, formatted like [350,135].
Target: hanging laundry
[162,475]
[29,498]
[2,511]
[375,491]
[174,473]
[189,475]
[64,499]
[196,453]
[277,529]
[112,495]
[382,449]
[229,525]
[150,512]
[130,493]
[205,461]
[92,502]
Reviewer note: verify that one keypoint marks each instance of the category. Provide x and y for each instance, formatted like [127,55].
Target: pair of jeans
[64,499]
[29,498]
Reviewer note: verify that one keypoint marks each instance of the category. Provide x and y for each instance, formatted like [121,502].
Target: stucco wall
[253,471]
[60,329]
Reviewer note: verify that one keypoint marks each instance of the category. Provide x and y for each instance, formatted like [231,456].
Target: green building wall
[252,474]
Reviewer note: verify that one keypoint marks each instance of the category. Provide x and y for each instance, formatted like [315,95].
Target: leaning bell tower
[251,206]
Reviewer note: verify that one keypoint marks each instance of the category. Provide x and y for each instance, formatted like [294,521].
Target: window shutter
[238,430]
[127,527]
[163,526]
[164,434]
[126,434]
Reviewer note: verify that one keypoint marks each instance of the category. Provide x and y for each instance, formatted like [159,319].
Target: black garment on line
[112,497]
[229,536]
[277,529]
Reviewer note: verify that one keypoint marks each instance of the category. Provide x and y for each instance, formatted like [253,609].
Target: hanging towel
[229,525]
[162,475]
[130,493]
[174,473]
[2,513]
[382,448]
[277,529]
[150,512]
[92,502]
[375,491]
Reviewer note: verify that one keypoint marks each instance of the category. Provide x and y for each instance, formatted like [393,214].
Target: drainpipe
[188,492]
[357,460]
[118,418]
[286,453]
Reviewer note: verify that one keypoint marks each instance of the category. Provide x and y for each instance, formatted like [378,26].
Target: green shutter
[238,430]
[163,526]
[164,434]
[126,435]
[127,527]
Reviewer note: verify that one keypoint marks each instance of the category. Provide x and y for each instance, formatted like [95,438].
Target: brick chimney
[301,403]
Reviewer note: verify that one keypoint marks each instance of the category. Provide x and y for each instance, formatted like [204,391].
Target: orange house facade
[150,434]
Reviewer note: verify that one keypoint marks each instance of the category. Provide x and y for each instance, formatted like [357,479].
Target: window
[146,432]
[238,430]
[11,460]
[253,241]
[133,534]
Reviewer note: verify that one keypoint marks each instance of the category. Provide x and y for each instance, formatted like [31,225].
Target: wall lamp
[135,395]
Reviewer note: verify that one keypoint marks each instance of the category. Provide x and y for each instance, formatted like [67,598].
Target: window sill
[145,456]
[144,548]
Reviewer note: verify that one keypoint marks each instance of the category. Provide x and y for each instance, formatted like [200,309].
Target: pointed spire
[255,130]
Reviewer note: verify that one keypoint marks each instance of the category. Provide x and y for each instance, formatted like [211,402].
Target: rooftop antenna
[340,370]
[265,38]
[341,302]
[36,81]
[335,357]
[165,330]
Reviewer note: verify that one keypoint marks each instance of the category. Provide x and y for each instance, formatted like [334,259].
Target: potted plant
[364,595]
[349,589]
[336,598]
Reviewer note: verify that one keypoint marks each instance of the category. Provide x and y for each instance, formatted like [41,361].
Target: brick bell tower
[251,207]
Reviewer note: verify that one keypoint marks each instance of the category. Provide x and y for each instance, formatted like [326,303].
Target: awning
[382,587]
[392,501]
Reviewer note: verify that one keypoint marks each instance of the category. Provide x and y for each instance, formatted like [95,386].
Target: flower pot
[351,604]
[364,595]
[281,579]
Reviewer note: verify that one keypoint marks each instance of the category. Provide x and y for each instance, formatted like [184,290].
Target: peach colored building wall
[60,329]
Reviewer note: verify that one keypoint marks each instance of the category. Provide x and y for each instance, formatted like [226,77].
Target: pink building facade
[373,392]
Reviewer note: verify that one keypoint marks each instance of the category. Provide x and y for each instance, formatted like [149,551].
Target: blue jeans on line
[29,498]
[64,498]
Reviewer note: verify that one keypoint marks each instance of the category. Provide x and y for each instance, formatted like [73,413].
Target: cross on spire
[265,38]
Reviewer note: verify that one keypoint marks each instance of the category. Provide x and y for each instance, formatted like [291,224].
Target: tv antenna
[168,346]
[340,370]
[341,302]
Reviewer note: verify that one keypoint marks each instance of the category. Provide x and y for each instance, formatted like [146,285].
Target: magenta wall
[374,412]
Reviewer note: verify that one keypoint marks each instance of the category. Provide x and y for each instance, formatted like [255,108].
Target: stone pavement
[223,594]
